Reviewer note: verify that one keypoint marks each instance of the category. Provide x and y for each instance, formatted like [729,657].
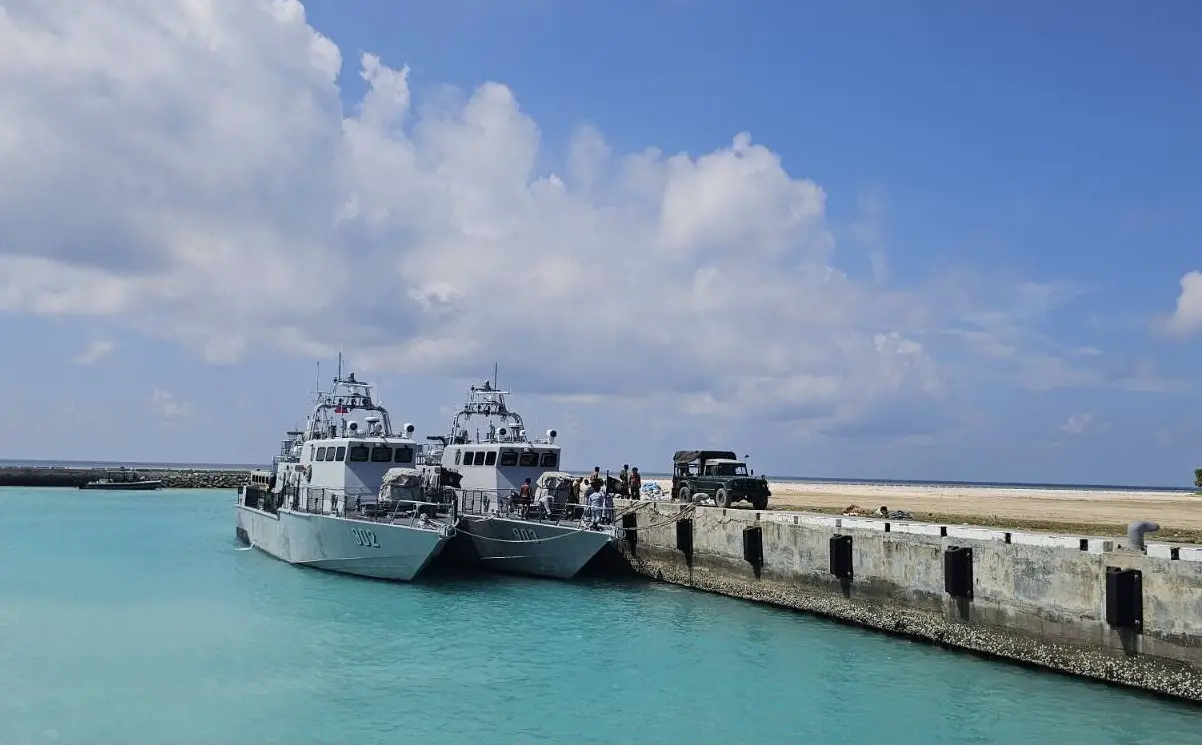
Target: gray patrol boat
[345,496]
[497,529]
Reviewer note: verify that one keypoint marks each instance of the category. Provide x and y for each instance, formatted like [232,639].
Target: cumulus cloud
[1187,316]
[188,169]
[97,350]
[168,407]
[1078,424]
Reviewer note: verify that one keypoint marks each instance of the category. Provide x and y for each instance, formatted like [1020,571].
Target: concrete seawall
[1027,597]
[55,476]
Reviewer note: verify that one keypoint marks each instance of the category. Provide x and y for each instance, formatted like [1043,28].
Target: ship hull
[367,549]
[518,547]
[127,486]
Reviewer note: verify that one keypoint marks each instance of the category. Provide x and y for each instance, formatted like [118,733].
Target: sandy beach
[1094,511]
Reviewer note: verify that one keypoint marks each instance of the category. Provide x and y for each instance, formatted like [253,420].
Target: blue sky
[955,243]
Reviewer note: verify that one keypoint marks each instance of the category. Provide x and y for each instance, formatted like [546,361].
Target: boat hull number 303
[365,538]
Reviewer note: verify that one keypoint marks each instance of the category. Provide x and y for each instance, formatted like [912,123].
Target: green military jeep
[717,474]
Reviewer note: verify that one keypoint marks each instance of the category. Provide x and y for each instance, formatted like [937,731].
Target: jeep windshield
[730,470]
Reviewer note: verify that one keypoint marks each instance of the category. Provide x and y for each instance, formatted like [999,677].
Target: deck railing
[446,503]
[366,505]
[360,505]
[507,503]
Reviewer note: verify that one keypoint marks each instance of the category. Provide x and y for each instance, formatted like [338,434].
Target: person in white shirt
[596,505]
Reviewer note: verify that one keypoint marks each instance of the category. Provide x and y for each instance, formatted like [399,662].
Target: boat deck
[505,504]
[453,505]
[319,502]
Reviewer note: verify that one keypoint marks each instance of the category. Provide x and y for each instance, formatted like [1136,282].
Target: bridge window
[358,453]
[490,459]
[321,454]
[458,455]
[549,460]
[330,453]
[528,458]
[479,458]
[509,458]
[404,455]
[381,454]
[340,454]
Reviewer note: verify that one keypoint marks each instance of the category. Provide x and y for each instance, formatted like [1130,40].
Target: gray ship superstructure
[501,532]
[346,496]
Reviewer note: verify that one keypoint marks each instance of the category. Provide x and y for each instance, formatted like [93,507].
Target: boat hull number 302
[365,538]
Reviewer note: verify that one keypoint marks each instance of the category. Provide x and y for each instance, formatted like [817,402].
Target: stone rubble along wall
[171,478]
[906,604]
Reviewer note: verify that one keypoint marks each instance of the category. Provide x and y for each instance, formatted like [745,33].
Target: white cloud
[1078,424]
[187,169]
[167,406]
[1187,316]
[97,350]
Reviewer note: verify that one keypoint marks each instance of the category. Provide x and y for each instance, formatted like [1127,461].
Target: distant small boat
[113,484]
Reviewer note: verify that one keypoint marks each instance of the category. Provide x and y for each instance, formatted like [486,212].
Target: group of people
[629,482]
[594,491]
[599,497]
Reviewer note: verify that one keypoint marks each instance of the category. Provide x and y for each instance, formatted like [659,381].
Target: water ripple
[145,625]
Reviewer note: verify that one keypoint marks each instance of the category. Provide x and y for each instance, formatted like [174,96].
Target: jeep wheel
[760,503]
[721,498]
[684,494]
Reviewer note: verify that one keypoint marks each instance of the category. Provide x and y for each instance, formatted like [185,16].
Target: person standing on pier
[636,484]
[624,481]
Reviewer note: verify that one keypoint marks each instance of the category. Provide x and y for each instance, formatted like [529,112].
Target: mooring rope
[688,509]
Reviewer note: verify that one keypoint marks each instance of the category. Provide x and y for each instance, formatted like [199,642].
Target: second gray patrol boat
[496,529]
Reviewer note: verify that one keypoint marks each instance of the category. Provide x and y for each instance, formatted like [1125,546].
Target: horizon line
[217,465]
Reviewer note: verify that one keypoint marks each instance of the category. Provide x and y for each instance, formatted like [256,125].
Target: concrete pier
[62,476]
[1076,604]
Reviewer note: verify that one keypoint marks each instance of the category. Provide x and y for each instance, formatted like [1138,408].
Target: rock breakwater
[180,478]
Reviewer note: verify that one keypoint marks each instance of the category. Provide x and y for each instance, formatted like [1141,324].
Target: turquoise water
[134,618]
